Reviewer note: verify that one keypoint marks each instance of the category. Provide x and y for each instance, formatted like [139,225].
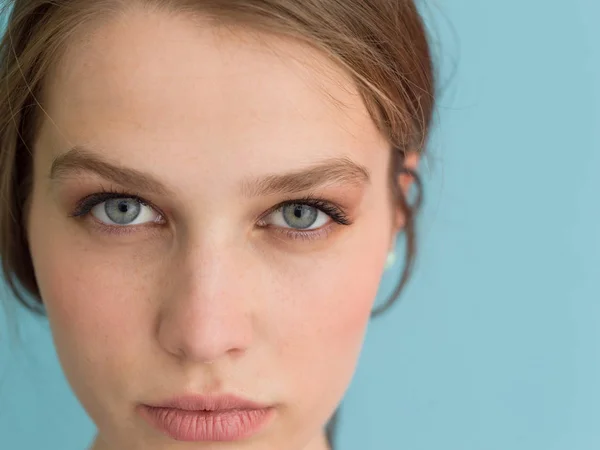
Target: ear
[405,181]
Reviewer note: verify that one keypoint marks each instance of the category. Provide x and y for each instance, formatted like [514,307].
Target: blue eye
[124,212]
[298,216]
[304,218]
[117,209]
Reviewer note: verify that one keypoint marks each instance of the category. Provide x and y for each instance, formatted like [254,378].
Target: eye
[124,211]
[298,216]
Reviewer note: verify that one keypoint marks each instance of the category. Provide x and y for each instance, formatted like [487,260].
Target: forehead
[152,82]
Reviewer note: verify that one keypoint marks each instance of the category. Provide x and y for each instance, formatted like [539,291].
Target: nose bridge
[206,313]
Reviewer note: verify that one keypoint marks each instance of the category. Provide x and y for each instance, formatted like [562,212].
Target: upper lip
[208,403]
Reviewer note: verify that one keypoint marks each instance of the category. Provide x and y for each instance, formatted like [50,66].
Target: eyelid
[306,235]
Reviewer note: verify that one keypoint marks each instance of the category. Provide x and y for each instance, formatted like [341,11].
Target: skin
[206,295]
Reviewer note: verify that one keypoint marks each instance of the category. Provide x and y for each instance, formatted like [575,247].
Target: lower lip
[197,426]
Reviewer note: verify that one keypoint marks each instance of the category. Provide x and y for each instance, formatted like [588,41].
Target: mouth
[208,418]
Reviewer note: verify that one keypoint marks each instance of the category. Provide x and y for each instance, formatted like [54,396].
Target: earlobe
[405,181]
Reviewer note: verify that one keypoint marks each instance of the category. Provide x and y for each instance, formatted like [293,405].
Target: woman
[202,197]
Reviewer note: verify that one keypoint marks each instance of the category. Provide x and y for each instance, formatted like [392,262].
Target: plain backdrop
[495,344]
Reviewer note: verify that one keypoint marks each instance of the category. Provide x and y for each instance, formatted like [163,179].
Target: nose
[206,310]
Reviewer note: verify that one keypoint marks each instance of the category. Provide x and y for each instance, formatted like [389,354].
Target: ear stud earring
[391,257]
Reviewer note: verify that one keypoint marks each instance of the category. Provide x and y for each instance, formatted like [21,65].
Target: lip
[208,418]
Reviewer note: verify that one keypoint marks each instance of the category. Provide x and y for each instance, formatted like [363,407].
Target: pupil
[123,207]
[298,212]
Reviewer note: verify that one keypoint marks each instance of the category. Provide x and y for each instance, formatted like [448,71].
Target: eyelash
[335,212]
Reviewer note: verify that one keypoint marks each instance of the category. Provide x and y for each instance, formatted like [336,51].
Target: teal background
[494,345]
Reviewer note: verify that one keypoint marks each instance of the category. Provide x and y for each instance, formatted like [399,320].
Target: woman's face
[195,277]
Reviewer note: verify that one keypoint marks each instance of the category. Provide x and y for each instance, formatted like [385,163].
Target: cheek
[89,303]
[88,297]
[348,293]
[87,314]
[324,329]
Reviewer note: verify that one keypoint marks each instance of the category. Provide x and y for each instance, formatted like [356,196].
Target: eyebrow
[329,171]
[79,159]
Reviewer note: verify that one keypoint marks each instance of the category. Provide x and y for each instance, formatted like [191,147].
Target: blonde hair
[382,44]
